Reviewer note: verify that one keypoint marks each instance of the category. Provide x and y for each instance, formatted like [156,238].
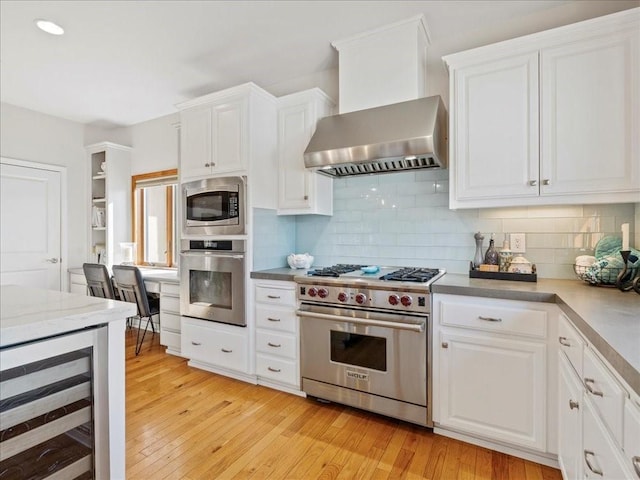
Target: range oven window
[359,350]
[212,206]
[210,289]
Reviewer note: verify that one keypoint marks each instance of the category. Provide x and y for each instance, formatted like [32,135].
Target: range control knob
[343,297]
[312,292]
[361,298]
[406,300]
[394,299]
[323,293]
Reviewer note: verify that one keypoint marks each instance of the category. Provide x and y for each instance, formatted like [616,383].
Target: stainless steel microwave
[214,206]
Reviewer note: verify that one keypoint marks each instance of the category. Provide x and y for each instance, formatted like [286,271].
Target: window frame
[137,218]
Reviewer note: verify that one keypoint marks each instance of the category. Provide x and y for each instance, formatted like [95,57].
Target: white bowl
[300,260]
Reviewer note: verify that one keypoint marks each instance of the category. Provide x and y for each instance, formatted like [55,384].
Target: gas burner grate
[418,275]
[334,270]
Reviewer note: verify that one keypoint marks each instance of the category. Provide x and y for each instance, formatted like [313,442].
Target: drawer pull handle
[274,297]
[224,350]
[564,341]
[636,465]
[271,319]
[195,343]
[276,370]
[274,345]
[587,383]
[573,404]
[587,454]
[490,319]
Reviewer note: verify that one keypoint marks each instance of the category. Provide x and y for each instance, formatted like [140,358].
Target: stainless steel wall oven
[212,280]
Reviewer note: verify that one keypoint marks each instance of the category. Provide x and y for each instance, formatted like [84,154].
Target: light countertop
[32,313]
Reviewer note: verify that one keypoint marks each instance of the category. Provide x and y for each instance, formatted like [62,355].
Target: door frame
[62,170]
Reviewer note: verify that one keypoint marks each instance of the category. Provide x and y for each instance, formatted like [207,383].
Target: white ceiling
[124,62]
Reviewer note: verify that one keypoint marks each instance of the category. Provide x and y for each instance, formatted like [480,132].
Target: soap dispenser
[505,255]
[491,257]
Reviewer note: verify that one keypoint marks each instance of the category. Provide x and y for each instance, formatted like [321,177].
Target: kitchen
[375,216]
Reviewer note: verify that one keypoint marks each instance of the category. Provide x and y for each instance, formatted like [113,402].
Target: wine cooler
[53,408]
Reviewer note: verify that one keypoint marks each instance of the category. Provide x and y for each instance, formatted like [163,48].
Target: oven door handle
[211,254]
[414,327]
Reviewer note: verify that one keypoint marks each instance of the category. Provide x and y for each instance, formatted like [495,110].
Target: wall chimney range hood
[401,136]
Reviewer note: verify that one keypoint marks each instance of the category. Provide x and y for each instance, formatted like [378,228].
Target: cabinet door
[495,129]
[590,102]
[229,140]
[195,142]
[494,387]
[570,422]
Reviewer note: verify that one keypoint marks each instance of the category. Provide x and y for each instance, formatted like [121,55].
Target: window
[154,217]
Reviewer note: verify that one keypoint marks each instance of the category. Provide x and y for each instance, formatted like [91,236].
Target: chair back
[98,280]
[130,284]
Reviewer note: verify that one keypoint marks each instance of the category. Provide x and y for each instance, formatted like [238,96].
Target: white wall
[155,144]
[36,137]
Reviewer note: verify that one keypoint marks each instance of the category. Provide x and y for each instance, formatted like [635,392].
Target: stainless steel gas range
[365,338]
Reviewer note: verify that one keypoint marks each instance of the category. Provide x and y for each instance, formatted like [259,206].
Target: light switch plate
[518,243]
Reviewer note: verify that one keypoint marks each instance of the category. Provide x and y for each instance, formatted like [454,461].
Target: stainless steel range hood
[402,136]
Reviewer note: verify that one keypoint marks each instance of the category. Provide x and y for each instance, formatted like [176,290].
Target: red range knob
[394,299]
[406,300]
[313,291]
[323,293]
[361,298]
[342,297]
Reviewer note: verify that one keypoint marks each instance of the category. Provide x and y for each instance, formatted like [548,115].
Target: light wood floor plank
[188,424]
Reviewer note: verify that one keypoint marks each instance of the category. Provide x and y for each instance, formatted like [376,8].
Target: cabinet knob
[445,345]
[306,197]
[564,341]
[546,181]
[588,382]
[533,183]
[636,465]
[573,404]
[587,455]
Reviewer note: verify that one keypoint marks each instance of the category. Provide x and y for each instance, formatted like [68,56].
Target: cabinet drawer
[214,346]
[631,435]
[275,295]
[276,318]
[171,288]
[151,286]
[281,345]
[169,304]
[170,339]
[170,321]
[499,317]
[605,393]
[277,369]
[571,343]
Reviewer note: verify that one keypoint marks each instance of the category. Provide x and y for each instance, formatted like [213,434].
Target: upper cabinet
[110,203]
[551,118]
[301,191]
[232,132]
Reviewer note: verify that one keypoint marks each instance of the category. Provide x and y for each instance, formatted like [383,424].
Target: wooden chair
[130,285]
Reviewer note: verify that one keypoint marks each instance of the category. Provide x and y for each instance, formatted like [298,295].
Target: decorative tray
[516,277]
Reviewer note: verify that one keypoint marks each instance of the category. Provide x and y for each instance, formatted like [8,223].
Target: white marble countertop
[32,313]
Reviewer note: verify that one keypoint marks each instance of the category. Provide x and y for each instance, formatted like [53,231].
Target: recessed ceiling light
[49,27]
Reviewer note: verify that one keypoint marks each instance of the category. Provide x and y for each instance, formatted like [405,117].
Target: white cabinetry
[299,190]
[229,132]
[277,335]
[216,347]
[492,379]
[579,147]
[110,201]
[596,426]
[170,317]
[78,282]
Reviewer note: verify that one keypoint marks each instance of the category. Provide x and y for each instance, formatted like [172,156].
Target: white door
[30,215]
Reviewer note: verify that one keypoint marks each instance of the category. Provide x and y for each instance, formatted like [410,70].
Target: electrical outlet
[518,243]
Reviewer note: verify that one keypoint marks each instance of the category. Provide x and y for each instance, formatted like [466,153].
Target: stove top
[334,270]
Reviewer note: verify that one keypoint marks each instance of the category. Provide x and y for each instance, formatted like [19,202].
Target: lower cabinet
[170,329]
[78,283]
[216,347]
[492,378]
[277,337]
[570,421]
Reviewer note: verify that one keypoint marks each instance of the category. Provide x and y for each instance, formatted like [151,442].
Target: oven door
[377,353]
[212,286]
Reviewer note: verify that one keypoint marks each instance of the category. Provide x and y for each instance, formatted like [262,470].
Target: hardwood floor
[185,423]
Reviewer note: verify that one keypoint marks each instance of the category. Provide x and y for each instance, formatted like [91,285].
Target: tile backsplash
[404,219]
[274,238]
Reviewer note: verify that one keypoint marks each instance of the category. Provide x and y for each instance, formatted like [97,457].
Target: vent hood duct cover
[402,136]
